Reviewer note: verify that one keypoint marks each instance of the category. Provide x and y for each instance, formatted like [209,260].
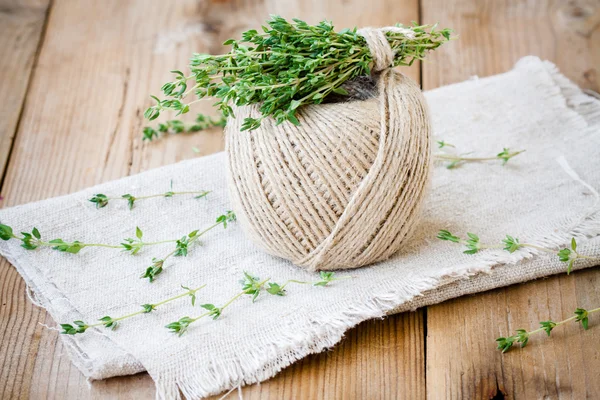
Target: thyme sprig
[101,200]
[182,246]
[581,315]
[176,126]
[455,160]
[111,322]
[252,286]
[511,244]
[287,65]
[33,240]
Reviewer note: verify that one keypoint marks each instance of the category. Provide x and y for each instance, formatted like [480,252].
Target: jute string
[344,188]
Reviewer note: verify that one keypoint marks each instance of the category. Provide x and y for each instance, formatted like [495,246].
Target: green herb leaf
[154,270]
[148,308]
[446,235]
[100,200]
[522,337]
[77,327]
[582,316]
[6,232]
[214,312]
[511,244]
[181,326]
[275,289]
[108,322]
[548,326]
[130,200]
[505,343]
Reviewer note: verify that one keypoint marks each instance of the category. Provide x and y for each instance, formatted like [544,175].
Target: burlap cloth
[544,196]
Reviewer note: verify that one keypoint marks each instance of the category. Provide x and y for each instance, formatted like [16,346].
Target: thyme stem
[167,194]
[101,200]
[505,155]
[251,286]
[522,335]
[110,322]
[182,246]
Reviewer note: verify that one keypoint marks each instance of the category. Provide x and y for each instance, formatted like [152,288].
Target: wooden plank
[495,34]
[21,27]
[462,361]
[81,126]
[21,31]
[379,359]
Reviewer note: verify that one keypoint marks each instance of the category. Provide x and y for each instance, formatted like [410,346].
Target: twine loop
[379,46]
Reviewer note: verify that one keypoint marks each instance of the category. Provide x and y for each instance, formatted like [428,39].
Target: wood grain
[493,35]
[379,359]
[462,361]
[81,126]
[21,31]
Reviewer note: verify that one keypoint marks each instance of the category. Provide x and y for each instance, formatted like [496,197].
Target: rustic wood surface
[462,361]
[74,80]
[21,32]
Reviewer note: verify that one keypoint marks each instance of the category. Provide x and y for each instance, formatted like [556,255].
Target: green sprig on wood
[581,315]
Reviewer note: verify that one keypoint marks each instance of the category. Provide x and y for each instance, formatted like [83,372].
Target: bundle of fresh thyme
[287,65]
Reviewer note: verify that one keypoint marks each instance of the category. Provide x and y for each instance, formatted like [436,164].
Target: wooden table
[74,81]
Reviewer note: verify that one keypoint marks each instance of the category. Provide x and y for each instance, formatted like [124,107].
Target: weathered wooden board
[21,33]
[462,360]
[493,35]
[81,126]
[379,359]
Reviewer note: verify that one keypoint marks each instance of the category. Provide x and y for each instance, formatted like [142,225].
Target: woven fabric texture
[544,196]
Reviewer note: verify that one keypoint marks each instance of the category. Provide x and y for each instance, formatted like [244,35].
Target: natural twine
[344,188]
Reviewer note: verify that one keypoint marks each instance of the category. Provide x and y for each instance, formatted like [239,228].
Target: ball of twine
[344,188]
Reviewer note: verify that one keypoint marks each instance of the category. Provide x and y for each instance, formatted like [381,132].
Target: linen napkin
[545,196]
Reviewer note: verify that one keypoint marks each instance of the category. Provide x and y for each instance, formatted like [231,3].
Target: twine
[344,188]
